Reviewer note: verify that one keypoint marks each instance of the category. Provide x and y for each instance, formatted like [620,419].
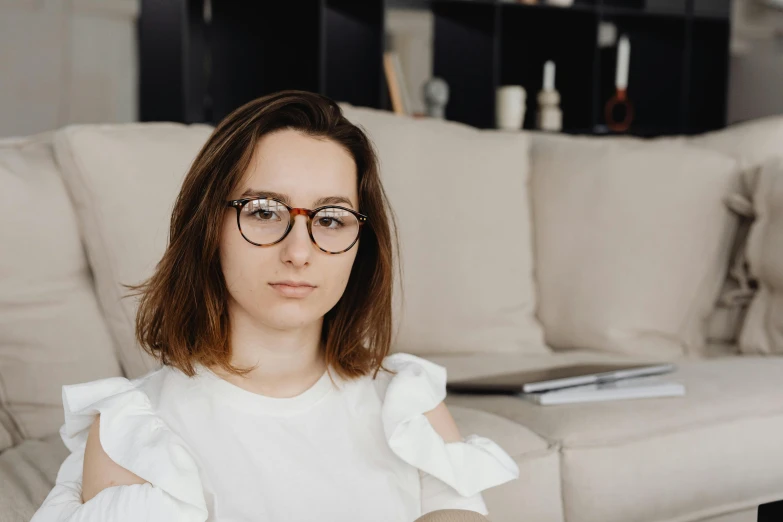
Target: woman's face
[302,170]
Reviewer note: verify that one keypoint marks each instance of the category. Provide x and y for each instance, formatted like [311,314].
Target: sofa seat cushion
[27,474]
[716,450]
[535,495]
[745,515]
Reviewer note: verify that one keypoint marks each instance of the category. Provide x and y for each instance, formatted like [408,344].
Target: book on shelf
[395,79]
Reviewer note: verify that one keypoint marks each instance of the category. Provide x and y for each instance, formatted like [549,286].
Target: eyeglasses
[267,221]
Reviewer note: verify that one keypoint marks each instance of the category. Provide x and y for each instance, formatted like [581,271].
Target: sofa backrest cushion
[751,143]
[632,240]
[758,146]
[123,180]
[461,199]
[762,331]
[52,330]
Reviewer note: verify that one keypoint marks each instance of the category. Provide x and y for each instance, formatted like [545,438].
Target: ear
[440,418]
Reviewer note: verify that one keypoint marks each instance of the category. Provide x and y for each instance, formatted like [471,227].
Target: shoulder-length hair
[183,307]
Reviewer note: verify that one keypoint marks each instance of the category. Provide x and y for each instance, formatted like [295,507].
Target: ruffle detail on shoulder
[469,466]
[135,437]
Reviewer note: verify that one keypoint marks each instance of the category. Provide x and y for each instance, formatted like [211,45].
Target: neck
[287,362]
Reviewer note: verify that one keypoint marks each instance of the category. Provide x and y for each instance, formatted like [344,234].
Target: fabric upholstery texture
[632,242]
[756,145]
[716,450]
[125,216]
[52,330]
[461,200]
[711,456]
[762,331]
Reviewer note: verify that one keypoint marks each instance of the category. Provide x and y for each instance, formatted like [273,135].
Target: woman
[277,398]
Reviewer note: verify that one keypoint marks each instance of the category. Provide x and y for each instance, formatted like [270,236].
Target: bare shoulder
[100,471]
[441,419]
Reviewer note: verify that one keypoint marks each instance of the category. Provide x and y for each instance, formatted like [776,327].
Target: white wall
[66,61]
[756,68]
[411,32]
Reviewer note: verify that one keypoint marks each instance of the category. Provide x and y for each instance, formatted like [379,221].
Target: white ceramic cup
[510,103]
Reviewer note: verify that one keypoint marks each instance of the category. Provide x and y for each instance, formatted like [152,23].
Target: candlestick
[623,61]
[549,76]
[549,117]
[620,99]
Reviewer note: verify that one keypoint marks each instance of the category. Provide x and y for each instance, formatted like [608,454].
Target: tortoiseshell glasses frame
[239,205]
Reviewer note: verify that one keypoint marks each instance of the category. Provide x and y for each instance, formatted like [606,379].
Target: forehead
[302,167]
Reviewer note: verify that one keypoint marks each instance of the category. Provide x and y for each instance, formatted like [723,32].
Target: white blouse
[212,451]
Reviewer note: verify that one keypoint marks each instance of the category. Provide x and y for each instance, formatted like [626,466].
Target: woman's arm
[99,471]
[421,431]
[91,487]
[435,494]
[133,503]
[443,422]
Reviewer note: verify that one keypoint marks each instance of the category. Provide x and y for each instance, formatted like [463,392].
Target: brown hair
[183,308]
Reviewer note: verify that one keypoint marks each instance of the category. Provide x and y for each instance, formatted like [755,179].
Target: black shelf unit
[678,78]
[198,69]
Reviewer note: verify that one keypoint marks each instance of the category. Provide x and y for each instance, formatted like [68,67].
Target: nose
[297,246]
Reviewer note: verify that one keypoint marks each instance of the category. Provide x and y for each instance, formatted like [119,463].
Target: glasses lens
[335,229]
[263,221]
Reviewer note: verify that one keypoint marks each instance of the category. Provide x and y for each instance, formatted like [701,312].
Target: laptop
[555,378]
[772,512]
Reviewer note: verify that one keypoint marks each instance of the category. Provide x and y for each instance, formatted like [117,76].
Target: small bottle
[550,117]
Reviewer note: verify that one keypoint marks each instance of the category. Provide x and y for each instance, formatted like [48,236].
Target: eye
[329,222]
[266,215]
[265,211]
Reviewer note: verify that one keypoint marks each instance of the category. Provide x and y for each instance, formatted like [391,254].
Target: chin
[287,316]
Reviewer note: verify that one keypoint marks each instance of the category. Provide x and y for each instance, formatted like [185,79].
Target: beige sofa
[519,251]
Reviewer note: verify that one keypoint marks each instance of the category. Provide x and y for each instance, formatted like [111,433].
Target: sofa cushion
[123,180]
[754,145]
[751,143]
[27,475]
[52,331]
[535,495]
[746,515]
[7,438]
[762,331]
[721,442]
[461,201]
[632,242]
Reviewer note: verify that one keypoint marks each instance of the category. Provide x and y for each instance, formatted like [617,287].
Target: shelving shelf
[678,76]
[198,70]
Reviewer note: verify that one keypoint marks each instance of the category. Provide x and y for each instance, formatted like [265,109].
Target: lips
[292,289]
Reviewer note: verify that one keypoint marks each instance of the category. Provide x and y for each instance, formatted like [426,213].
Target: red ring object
[619,99]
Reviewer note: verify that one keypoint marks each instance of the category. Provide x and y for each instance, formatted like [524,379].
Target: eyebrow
[328,200]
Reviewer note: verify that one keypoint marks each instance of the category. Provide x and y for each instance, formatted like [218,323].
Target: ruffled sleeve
[469,466]
[134,437]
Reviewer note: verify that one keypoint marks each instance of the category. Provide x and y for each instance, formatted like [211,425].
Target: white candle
[623,60]
[549,76]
